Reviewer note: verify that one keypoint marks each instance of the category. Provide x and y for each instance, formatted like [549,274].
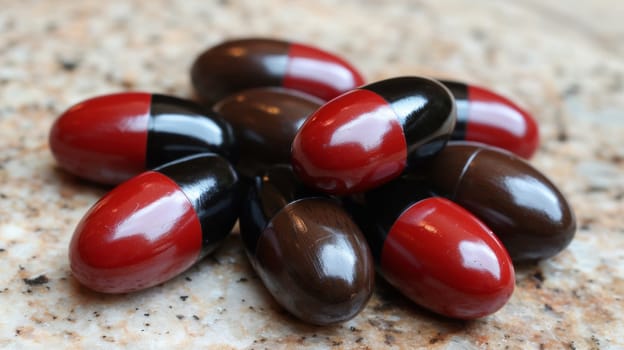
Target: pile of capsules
[330,179]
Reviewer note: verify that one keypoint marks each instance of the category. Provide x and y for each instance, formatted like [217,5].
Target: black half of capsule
[376,211]
[267,194]
[425,109]
[212,186]
[460,93]
[179,128]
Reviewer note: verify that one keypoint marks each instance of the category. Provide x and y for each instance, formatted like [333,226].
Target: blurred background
[561,60]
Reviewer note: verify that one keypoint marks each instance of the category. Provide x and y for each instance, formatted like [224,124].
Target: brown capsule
[265,121]
[518,203]
[310,255]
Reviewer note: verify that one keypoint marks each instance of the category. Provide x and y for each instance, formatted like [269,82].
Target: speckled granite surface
[561,60]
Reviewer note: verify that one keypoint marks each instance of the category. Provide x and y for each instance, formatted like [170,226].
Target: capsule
[521,205]
[370,135]
[306,249]
[487,117]
[265,121]
[111,138]
[237,65]
[154,226]
[433,251]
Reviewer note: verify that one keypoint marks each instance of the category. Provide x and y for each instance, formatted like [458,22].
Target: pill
[370,135]
[265,121]
[433,251]
[111,138]
[487,117]
[154,226]
[306,249]
[254,62]
[521,205]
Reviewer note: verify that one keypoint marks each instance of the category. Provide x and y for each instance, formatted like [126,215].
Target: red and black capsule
[154,226]
[370,135]
[110,138]
[435,252]
[307,250]
[487,117]
[237,65]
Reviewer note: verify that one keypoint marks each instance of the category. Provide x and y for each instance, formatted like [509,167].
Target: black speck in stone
[539,278]
[68,64]
[180,317]
[188,279]
[547,307]
[196,317]
[37,281]
[183,297]
[572,90]
[146,315]
[2,250]
[241,280]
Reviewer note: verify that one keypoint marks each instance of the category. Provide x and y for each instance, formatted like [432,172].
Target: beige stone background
[561,60]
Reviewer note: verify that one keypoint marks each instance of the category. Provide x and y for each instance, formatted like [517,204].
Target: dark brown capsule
[265,121]
[310,255]
[241,64]
[517,202]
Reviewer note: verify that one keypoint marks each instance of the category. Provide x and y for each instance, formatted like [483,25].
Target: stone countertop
[560,60]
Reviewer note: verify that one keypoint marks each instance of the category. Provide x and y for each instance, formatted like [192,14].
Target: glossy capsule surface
[154,226]
[435,252]
[370,135]
[265,121]
[254,62]
[110,138]
[522,206]
[306,249]
[487,117]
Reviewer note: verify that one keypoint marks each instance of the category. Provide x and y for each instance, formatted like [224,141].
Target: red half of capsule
[103,139]
[156,225]
[110,138]
[353,143]
[487,117]
[319,72]
[443,258]
[141,234]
